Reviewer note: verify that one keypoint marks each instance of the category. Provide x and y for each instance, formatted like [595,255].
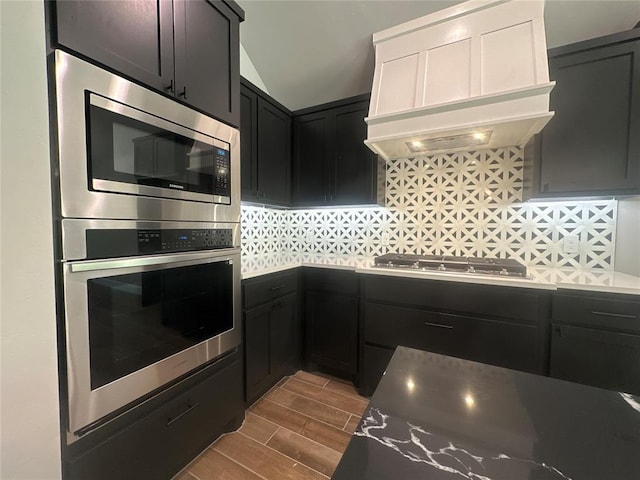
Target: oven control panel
[107,243]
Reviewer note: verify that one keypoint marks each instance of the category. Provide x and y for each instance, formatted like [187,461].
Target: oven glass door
[137,319]
[136,323]
[134,152]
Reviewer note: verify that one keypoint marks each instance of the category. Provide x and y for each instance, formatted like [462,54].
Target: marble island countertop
[439,417]
[540,278]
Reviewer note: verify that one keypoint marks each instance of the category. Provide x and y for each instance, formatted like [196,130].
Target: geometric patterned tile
[465,203]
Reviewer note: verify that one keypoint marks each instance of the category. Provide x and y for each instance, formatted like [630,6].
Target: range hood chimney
[471,76]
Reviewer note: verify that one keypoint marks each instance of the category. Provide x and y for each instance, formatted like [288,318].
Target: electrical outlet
[385,239]
[310,237]
[571,244]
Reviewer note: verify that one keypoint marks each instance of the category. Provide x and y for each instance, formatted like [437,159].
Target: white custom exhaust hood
[471,76]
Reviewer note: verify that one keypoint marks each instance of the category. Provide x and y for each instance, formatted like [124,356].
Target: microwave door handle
[120,263]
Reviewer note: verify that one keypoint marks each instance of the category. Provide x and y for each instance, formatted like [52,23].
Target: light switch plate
[385,239]
[571,244]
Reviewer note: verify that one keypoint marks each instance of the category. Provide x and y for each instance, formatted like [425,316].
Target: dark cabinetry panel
[331,319]
[133,38]
[271,331]
[265,133]
[332,165]
[184,48]
[506,344]
[591,146]
[491,324]
[160,443]
[311,171]
[207,57]
[596,340]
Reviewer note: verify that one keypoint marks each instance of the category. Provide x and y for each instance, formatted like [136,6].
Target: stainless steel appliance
[126,152]
[452,264]
[145,302]
[150,232]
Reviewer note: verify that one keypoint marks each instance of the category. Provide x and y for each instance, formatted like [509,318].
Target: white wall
[248,70]
[29,389]
[628,237]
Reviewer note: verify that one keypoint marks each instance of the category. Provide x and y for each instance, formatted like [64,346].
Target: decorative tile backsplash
[465,203]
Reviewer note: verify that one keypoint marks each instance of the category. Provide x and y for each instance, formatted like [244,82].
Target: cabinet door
[592,143]
[596,357]
[352,170]
[134,38]
[310,144]
[283,334]
[506,344]
[274,154]
[248,144]
[207,58]
[332,330]
[257,336]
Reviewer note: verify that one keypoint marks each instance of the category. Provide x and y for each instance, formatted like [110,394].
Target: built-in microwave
[126,152]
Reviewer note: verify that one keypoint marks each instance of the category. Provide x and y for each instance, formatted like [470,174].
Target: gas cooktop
[451,264]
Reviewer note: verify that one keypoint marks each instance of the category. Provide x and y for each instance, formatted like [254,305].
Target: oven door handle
[110,264]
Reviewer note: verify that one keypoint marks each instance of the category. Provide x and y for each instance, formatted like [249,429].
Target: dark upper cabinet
[591,146]
[265,133]
[184,48]
[332,165]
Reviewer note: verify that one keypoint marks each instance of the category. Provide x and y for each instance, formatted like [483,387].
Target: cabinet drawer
[596,357]
[263,289]
[499,343]
[481,300]
[160,444]
[325,279]
[615,313]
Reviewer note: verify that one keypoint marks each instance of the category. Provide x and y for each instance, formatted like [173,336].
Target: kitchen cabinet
[265,133]
[595,340]
[501,326]
[168,431]
[271,331]
[184,48]
[332,165]
[331,320]
[591,146]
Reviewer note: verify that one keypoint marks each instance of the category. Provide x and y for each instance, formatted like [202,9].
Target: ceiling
[309,52]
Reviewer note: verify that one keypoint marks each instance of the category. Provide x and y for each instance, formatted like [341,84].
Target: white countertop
[540,278]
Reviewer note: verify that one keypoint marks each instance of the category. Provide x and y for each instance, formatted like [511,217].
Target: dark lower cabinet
[271,344]
[271,331]
[591,146]
[331,320]
[189,49]
[595,340]
[162,440]
[497,325]
[265,133]
[595,357]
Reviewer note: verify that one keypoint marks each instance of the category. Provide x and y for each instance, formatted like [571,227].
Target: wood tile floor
[297,431]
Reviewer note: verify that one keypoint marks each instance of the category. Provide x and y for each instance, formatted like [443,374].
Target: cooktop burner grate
[444,263]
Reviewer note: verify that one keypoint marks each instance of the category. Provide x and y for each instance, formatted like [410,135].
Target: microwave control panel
[222,182]
[111,243]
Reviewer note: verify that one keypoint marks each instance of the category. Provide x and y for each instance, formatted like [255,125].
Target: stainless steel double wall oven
[150,234]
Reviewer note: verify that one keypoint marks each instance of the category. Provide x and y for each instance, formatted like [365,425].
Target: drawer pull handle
[439,325]
[617,315]
[273,289]
[178,417]
[276,305]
